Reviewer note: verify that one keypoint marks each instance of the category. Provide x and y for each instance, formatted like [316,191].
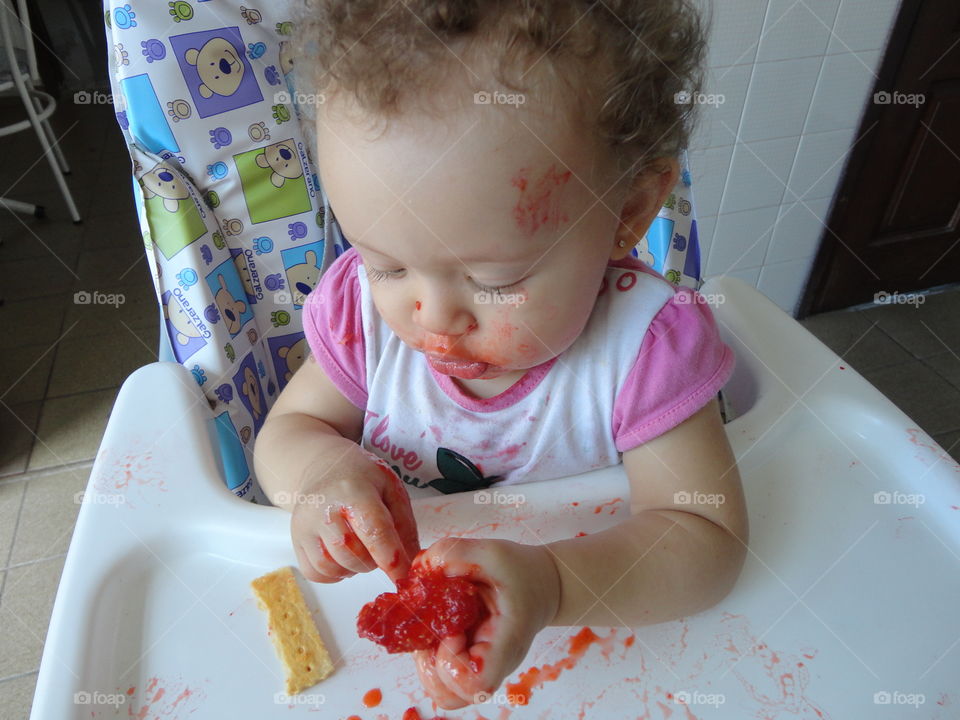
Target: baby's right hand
[354,519]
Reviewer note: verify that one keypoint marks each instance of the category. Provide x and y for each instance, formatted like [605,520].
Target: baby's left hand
[520,587]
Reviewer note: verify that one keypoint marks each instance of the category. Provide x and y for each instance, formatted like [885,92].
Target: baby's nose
[444,320]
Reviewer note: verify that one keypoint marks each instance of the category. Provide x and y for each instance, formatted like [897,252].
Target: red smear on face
[372,698]
[428,606]
[539,202]
[418,304]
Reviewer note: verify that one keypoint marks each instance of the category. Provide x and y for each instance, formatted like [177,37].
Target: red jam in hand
[428,607]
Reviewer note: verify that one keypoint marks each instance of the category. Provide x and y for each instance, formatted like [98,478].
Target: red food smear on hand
[428,607]
[372,698]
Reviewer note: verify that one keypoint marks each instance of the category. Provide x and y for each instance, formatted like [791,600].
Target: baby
[492,166]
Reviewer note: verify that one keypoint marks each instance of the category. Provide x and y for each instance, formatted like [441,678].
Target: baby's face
[485,235]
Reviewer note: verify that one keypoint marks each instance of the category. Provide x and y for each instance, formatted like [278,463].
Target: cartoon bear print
[184,328]
[282,158]
[162,181]
[251,388]
[241,262]
[303,277]
[643,251]
[294,355]
[231,309]
[218,65]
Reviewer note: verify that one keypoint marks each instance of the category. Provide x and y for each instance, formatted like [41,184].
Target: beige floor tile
[35,278]
[947,366]
[18,423]
[50,507]
[71,428]
[855,338]
[100,362]
[24,373]
[120,265]
[47,239]
[928,329]
[25,609]
[32,322]
[11,497]
[16,697]
[120,228]
[927,398]
[139,309]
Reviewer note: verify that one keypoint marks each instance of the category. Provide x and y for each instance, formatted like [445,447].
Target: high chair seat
[236,226]
[847,600]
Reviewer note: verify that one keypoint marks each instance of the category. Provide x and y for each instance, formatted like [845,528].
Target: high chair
[847,600]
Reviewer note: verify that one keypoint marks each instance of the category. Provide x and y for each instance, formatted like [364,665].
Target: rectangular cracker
[294,634]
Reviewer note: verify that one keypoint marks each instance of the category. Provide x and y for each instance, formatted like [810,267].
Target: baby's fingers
[375,529]
[318,566]
[429,678]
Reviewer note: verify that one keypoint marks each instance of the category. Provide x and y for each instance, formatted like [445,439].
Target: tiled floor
[64,362]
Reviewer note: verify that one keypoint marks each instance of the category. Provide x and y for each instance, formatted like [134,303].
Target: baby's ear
[645,196]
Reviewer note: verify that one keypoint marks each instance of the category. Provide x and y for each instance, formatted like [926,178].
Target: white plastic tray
[846,607]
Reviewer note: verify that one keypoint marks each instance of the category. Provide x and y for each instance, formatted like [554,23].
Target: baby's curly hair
[626,63]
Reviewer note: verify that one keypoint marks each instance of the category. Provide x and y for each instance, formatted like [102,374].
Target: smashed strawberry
[427,607]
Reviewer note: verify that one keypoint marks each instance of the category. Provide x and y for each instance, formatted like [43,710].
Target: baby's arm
[350,512]
[668,560]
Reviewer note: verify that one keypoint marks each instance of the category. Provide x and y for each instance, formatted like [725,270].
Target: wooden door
[893,226]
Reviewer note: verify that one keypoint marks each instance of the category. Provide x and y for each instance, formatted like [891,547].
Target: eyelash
[376,275]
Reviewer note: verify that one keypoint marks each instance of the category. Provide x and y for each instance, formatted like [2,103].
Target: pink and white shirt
[649,358]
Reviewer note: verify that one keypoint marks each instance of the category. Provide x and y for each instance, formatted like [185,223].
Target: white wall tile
[735,32]
[820,161]
[846,84]
[799,229]
[718,124]
[862,25]
[751,276]
[778,99]
[758,174]
[705,231]
[784,282]
[796,29]
[741,240]
[708,169]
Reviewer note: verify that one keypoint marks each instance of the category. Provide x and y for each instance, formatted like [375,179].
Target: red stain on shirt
[539,204]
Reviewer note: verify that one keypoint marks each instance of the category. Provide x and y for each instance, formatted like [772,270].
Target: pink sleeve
[682,364]
[333,325]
